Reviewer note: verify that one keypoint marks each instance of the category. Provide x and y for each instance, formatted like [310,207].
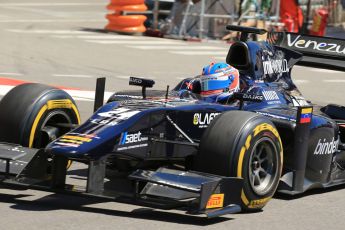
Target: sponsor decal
[275,66]
[252,97]
[300,43]
[267,52]
[132,147]
[264,126]
[60,104]
[254,203]
[113,117]
[258,203]
[258,129]
[306,115]
[323,147]
[202,120]
[135,80]
[131,138]
[276,116]
[215,201]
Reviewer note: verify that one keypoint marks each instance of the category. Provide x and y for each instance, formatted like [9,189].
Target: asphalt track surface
[59,43]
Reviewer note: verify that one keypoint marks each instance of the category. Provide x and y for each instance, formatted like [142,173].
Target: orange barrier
[126,23]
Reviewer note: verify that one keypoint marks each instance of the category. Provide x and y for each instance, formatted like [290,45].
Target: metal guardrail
[202,15]
[155,12]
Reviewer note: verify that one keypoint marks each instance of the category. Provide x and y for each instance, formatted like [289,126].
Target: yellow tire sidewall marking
[52,104]
[258,129]
[34,125]
[244,198]
[63,104]
[240,159]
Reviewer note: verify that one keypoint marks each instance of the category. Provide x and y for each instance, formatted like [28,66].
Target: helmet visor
[215,81]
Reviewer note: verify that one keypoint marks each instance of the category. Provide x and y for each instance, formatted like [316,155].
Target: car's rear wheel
[245,145]
[33,115]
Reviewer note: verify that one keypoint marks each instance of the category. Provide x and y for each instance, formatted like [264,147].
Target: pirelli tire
[30,110]
[245,145]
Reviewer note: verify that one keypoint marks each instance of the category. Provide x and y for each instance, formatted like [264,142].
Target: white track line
[81,95]
[72,75]
[199,52]
[127,77]
[49,31]
[123,77]
[52,4]
[107,37]
[324,70]
[141,42]
[300,81]
[220,58]
[334,81]
[11,74]
[63,36]
[4,89]
[185,47]
[78,95]
[50,20]
[100,37]
[318,70]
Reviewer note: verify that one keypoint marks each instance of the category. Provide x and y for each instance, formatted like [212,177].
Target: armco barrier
[119,22]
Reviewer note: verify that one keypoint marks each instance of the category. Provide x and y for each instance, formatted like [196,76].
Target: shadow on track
[74,203]
[95,30]
[312,192]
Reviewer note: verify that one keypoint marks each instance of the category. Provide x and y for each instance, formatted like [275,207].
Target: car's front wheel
[245,145]
[33,115]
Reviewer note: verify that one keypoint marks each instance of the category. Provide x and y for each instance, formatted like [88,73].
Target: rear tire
[31,114]
[245,145]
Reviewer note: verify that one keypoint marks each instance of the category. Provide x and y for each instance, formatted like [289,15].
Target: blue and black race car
[172,149]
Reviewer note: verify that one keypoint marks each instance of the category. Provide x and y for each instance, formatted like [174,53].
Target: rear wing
[318,52]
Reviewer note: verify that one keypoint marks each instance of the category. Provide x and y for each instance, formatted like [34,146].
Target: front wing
[194,192]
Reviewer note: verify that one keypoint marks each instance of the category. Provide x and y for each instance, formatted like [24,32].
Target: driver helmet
[218,81]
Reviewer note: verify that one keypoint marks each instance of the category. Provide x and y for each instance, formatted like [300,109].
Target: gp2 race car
[170,149]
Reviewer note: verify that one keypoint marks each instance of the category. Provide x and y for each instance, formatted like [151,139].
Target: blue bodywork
[170,127]
[103,129]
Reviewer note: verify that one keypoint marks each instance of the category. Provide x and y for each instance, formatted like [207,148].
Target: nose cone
[74,145]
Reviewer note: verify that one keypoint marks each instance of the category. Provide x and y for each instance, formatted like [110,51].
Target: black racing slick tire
[244,145]
[29,112]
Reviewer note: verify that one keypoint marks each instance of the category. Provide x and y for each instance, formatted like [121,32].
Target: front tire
[32,114]
[245,145]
